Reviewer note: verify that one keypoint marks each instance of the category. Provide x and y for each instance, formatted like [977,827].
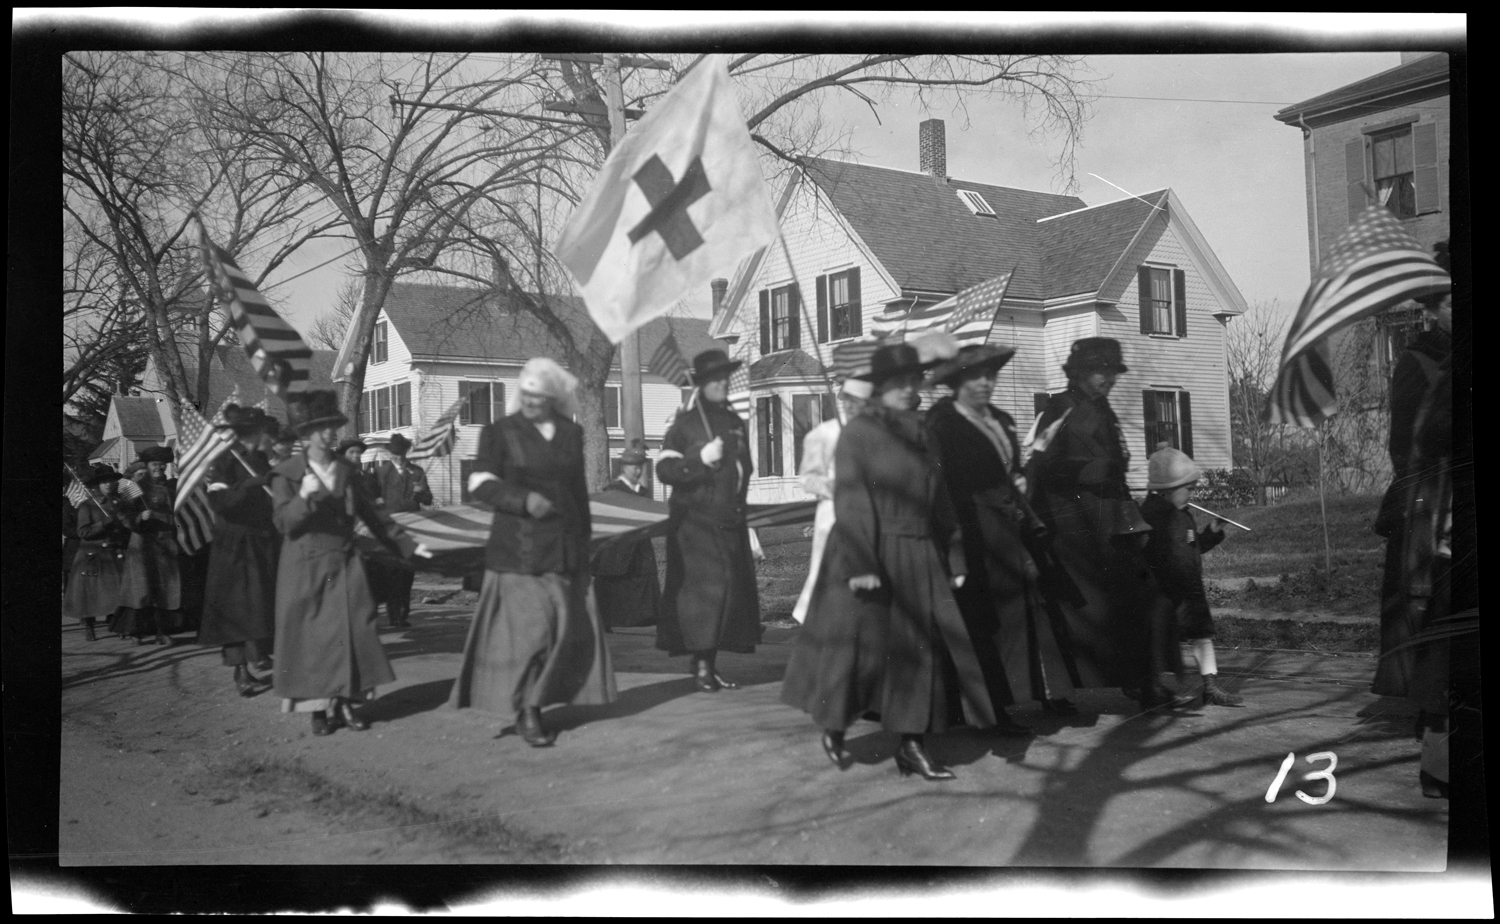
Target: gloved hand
[713,452]
[537,506]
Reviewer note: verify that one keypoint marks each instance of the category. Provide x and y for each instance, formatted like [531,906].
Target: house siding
[1195,363]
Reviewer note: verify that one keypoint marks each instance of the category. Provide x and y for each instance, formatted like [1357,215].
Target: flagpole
[85,489]
[234,452]
[632,411]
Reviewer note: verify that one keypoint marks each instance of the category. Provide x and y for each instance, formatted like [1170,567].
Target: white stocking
[1203,653]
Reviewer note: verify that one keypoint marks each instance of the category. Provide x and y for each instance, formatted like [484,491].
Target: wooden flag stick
[234,452]
[86,489]
[1220,516]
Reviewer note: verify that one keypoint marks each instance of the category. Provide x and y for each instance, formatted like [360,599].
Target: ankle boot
[1215,695]
[349,717]
[88,631]
[911,758]
[248,684]
[529,727]
[833,746]
[704,677]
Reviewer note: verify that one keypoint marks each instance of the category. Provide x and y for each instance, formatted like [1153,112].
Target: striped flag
[739,391]
[1374,265]
[76,492]
[276,351]
[438,441]
[195,519]
[204,443]
[968,316]
[129,490]
[853,357]
[668,362]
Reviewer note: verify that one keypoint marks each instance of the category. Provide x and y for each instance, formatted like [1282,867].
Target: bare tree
[329,330]
[1269,453]
[1356,437]
[139,163]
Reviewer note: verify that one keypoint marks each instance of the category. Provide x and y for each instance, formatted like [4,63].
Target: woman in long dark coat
[151,583]
[710,602]
[1001,601]
[239,599]
[327,647]
[625,579]
[899,646]
[94,582]
[1116,626]
[535,641]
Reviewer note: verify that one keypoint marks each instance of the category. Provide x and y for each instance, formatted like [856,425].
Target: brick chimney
[720,288]
[934,148]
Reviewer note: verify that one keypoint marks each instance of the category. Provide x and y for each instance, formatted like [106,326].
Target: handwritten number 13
[1286,765]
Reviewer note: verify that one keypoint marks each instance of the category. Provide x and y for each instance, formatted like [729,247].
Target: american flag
[968,316]
[195,519]
[1374,265]
[77,493]
[669,363]
[276,351]
[438,441]
[129,490]
[853,357]
[739,391]
[204,443]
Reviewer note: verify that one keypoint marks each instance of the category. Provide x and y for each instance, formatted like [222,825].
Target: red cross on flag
[679,201]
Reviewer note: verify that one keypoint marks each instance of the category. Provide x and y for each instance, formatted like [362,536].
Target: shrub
[1225,488]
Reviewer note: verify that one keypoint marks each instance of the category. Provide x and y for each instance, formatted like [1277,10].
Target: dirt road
[163,763]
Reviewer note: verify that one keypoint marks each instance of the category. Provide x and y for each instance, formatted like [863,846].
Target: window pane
[383,409]
[497,400]
[1402,145]
[838,289]
[403,404]
[781,318]
[479,403]
[611,405]
[1383,157]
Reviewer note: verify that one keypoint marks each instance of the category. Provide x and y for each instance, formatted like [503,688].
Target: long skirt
[1007,618]
[535,641]
[149,572]
[1398,623]
[93,583]
[822,526]
[239,600]
[1121,631]
[634,598]
[326,641]
[711,602]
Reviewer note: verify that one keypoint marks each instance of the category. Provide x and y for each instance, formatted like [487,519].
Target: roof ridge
[1141,197]
[947,179]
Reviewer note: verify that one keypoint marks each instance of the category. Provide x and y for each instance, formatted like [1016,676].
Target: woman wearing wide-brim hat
[1115,625]
[151,576]
[93,591]
[887,635]
[1001,600]
[328,652]
[625,577]
[710,602]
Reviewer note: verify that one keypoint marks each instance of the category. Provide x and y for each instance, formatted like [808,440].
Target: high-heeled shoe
[351,718]
[321,727]
[247,683]
[833,746]
[705,678]
[911,758]
[1062,707]
[529,727]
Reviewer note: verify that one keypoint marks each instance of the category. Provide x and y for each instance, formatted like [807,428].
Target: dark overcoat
[625,579]
[94,581]
[895,520]
[1175,552]
[150,577]
[1416,370]
[540,642]
[710,601]
[403,485]
[326,639]
[239,596]
[1001,599]
[1115,626]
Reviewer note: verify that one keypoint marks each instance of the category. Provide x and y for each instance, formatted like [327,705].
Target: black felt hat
[713,364]
[891,361]
[245,420]
[980,356]
[309,410]
[100,472]
[347,445]
[1094,354]
[398,444]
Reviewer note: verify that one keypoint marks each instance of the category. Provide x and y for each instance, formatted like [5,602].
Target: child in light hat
[1174,550]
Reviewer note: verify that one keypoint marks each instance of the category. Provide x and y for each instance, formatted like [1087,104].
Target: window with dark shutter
[804,412]
[1393,170]
[378,349]
[844,313]
[794,314]
[403,405]
[768,435]
[830,407]
[367,412]
[765,321]
[1354,176]
[497,400]
[822,309]
[1425,163]
[612,406]
[1143,277]
[1185,421]
[476,407]
[1039,401]
[465,416]
[1162,414]
[382,409]
[1179,290]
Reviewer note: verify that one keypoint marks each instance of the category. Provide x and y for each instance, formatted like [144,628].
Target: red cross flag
[679,201]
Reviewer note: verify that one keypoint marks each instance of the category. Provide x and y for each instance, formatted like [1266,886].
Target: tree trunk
[595,435]
[377,286]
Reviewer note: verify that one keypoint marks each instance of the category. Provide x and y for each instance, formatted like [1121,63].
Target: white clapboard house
[868,243]
[437,344]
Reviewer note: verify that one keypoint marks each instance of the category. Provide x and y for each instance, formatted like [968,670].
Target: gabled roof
[1080,248]
[456,323]
[925,236]
[1426,75]
[787,364]
[139,418]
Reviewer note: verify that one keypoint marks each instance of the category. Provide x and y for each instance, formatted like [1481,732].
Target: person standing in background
[93,590]
[625,581]
[151,583]
[403,489]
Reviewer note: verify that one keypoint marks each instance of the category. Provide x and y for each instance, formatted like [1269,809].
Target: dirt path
[164,764]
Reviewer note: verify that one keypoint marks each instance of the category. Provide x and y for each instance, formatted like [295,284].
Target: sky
[1198,123]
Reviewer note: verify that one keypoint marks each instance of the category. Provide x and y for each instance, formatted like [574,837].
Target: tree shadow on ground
[134,660]
[408,701]
[441,631]
[629,702]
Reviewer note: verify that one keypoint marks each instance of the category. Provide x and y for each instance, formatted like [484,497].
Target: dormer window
[976,203]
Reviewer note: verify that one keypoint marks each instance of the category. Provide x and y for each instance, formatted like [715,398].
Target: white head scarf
[545,377]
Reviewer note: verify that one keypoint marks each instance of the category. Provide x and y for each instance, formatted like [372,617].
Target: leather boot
[529,727]
[1215,695]
[704,677]
[88,631]
[911,758]
[247,683]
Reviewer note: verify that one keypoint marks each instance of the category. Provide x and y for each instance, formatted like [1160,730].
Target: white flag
[679,201]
